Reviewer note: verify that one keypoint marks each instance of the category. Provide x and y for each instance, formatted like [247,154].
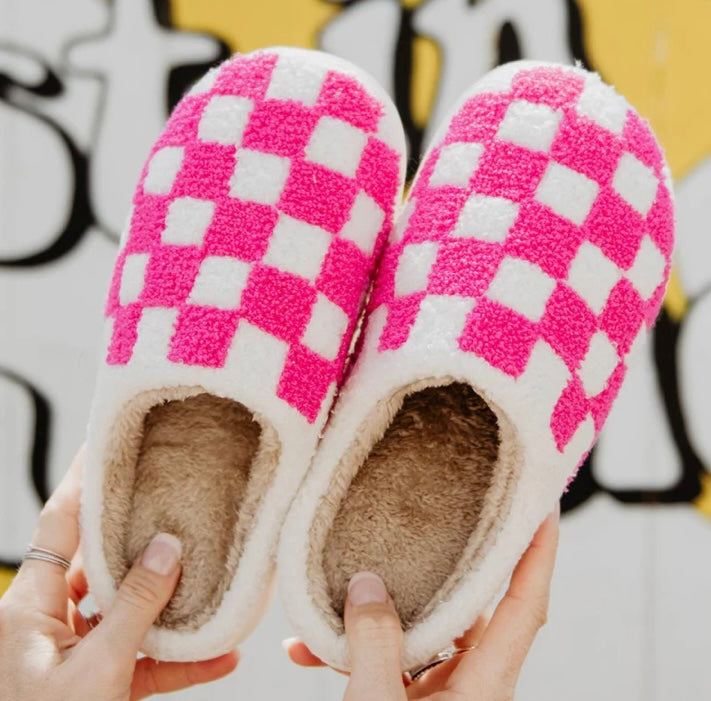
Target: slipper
[255,228]
[529,261]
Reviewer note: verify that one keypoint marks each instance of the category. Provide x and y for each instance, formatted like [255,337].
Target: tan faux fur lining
[184,461]
[415,499]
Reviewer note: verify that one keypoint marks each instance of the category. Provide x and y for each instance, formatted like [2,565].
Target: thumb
[374,637]
[143,594]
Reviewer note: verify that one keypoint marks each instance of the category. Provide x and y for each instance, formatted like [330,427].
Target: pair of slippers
[504,302]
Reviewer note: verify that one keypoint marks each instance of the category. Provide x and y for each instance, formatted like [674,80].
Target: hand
[49,652]
[488,672]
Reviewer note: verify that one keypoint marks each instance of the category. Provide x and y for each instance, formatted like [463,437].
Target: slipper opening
[415,499]
[195,465]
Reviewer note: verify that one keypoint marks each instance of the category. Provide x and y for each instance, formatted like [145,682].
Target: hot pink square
[170,275]
[615,227]
[623,315]
[542,237]
[383,288]
[508,170]
[249,76]
[206,171]
[479,119]
[240,229]
[318,195]
[124,335]
[402,313]
[464,267]
[279,126]
[203,336]
[305,381]
[182,127]
[436,213]
[344,275]
[569,413]
[587,148]
[640,141]
[345,98]
[378,172]
[568,325]
[500,336]
[147,222]
[601,405]
[555,87]
[660,221]
[278,302]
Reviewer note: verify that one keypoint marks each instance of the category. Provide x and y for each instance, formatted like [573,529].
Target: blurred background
[85,87]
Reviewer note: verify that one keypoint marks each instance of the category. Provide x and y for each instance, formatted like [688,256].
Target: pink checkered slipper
[255,228]
[529,261]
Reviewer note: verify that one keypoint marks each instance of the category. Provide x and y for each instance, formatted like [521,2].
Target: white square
[545,377]
[255,361]
[414,267]
[259,177]
[599,363]
[132,277]
[530,125]
[647,271]
[162,169]
[337,145]
[328,323]
[224,119]
[439,324]
[592,275]
[638,346]
[456,164]
[187,221]
[581,442]
[635,183]
[486,218]
[567,192]
[364,224]
[291,80]
[220,282]
[521,286]
[297,247]
[601,104]
[153,334]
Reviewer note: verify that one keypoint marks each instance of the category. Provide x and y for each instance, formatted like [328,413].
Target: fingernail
[162,554]
[288,642]
[556,511]
[366,588]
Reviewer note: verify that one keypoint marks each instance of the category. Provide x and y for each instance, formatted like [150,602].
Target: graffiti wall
[85,86]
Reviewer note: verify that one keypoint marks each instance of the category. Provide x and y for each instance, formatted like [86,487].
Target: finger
[45,583]
[143,594]
[374,635]
[76,581]
[300,654]
[516,620]
[153,677]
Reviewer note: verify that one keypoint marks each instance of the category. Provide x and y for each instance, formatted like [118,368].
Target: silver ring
[35,553]
[444,656]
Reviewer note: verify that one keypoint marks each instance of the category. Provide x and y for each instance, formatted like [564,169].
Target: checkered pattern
[545,214]
[247,214]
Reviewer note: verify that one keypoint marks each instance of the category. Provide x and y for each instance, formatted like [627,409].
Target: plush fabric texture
[528,264]
[255,228]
